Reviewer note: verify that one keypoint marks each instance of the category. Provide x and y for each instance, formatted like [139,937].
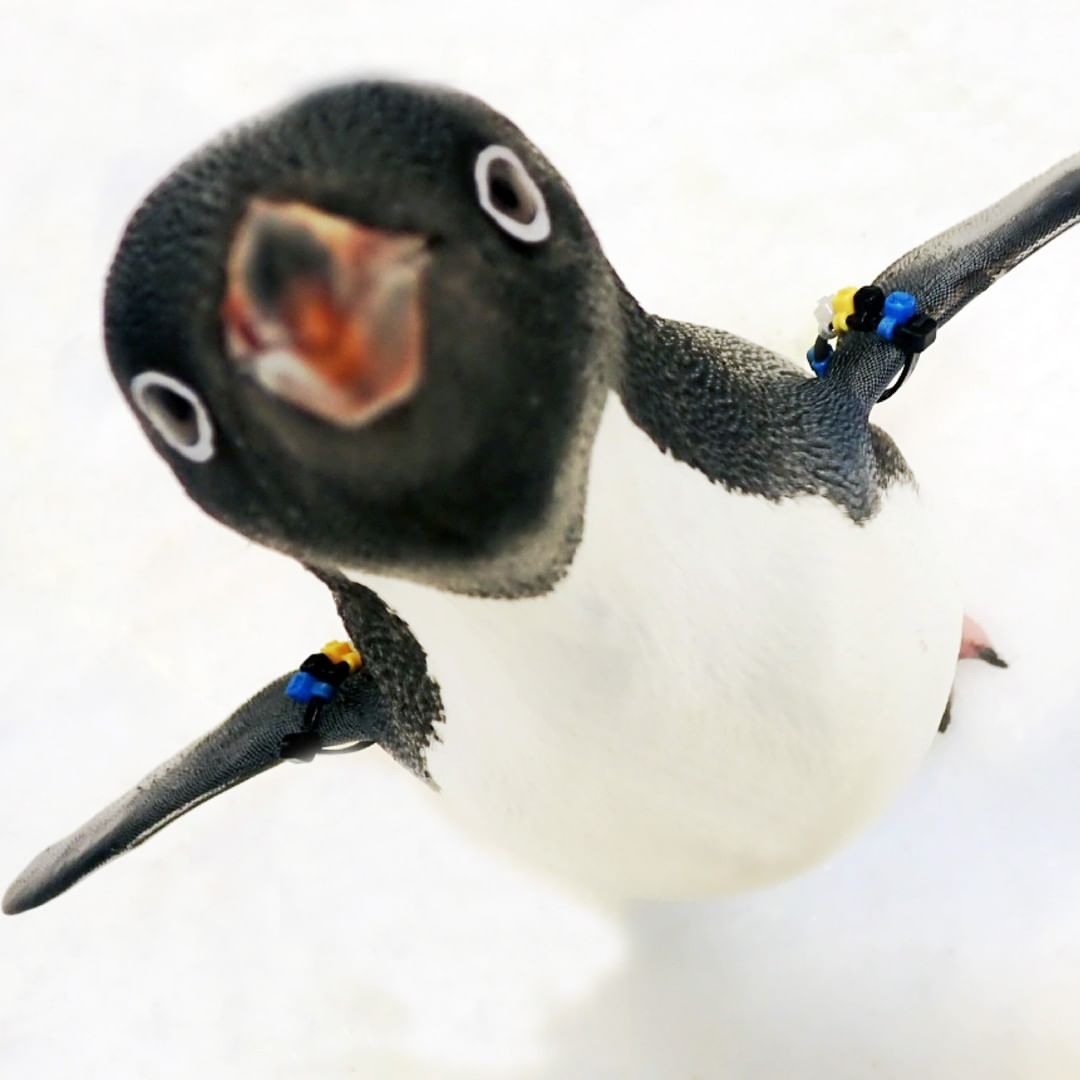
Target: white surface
[324,922]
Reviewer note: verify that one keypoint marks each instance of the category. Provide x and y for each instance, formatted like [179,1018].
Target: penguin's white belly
[720,692]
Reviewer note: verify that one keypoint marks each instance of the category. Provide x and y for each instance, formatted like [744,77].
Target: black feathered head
[372,330]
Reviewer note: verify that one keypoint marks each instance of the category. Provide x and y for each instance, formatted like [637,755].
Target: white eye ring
[175,413]
[502,179]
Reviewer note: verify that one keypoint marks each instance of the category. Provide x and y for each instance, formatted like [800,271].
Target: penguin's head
[373,330]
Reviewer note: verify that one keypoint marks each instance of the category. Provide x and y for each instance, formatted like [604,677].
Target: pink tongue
[346,347]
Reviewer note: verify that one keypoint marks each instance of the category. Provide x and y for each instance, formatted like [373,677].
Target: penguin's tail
[931,283]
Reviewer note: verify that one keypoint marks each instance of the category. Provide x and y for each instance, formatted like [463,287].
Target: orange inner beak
[325,313]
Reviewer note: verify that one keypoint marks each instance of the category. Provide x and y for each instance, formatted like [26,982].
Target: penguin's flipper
[259,735]
[947,272]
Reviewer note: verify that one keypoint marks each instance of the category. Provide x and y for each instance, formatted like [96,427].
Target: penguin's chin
[325,313]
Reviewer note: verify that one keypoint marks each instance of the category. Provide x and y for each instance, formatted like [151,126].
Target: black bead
[319,665]
[340,673]
[869,301]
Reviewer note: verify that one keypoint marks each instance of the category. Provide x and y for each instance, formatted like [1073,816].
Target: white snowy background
[738,161]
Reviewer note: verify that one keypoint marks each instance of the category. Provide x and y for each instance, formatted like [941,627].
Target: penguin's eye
[509,194]
[175,413]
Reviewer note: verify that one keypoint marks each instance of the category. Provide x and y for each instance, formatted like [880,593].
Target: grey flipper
[949,271]
[255,738]
[758,425]
[411,700]
[751,420]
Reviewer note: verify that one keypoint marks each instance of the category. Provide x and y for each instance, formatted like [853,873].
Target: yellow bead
[843,305]
[339,651]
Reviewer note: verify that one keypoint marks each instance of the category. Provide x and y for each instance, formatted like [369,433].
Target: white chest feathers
[720,692]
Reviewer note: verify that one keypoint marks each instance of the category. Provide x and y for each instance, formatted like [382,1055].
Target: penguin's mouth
[323,312]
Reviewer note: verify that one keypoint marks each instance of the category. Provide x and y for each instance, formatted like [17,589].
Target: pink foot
[975,644]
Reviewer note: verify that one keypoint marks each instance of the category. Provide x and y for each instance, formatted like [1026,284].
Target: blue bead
[886,328]
[819,367]
[305,688]
[900,307]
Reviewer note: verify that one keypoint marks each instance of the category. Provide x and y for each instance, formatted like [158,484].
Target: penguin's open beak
[325,313]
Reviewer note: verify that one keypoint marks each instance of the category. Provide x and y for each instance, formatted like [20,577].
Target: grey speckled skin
[750,420]
[476,484]
[409,697]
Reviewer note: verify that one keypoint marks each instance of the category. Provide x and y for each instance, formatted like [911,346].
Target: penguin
[643,604]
